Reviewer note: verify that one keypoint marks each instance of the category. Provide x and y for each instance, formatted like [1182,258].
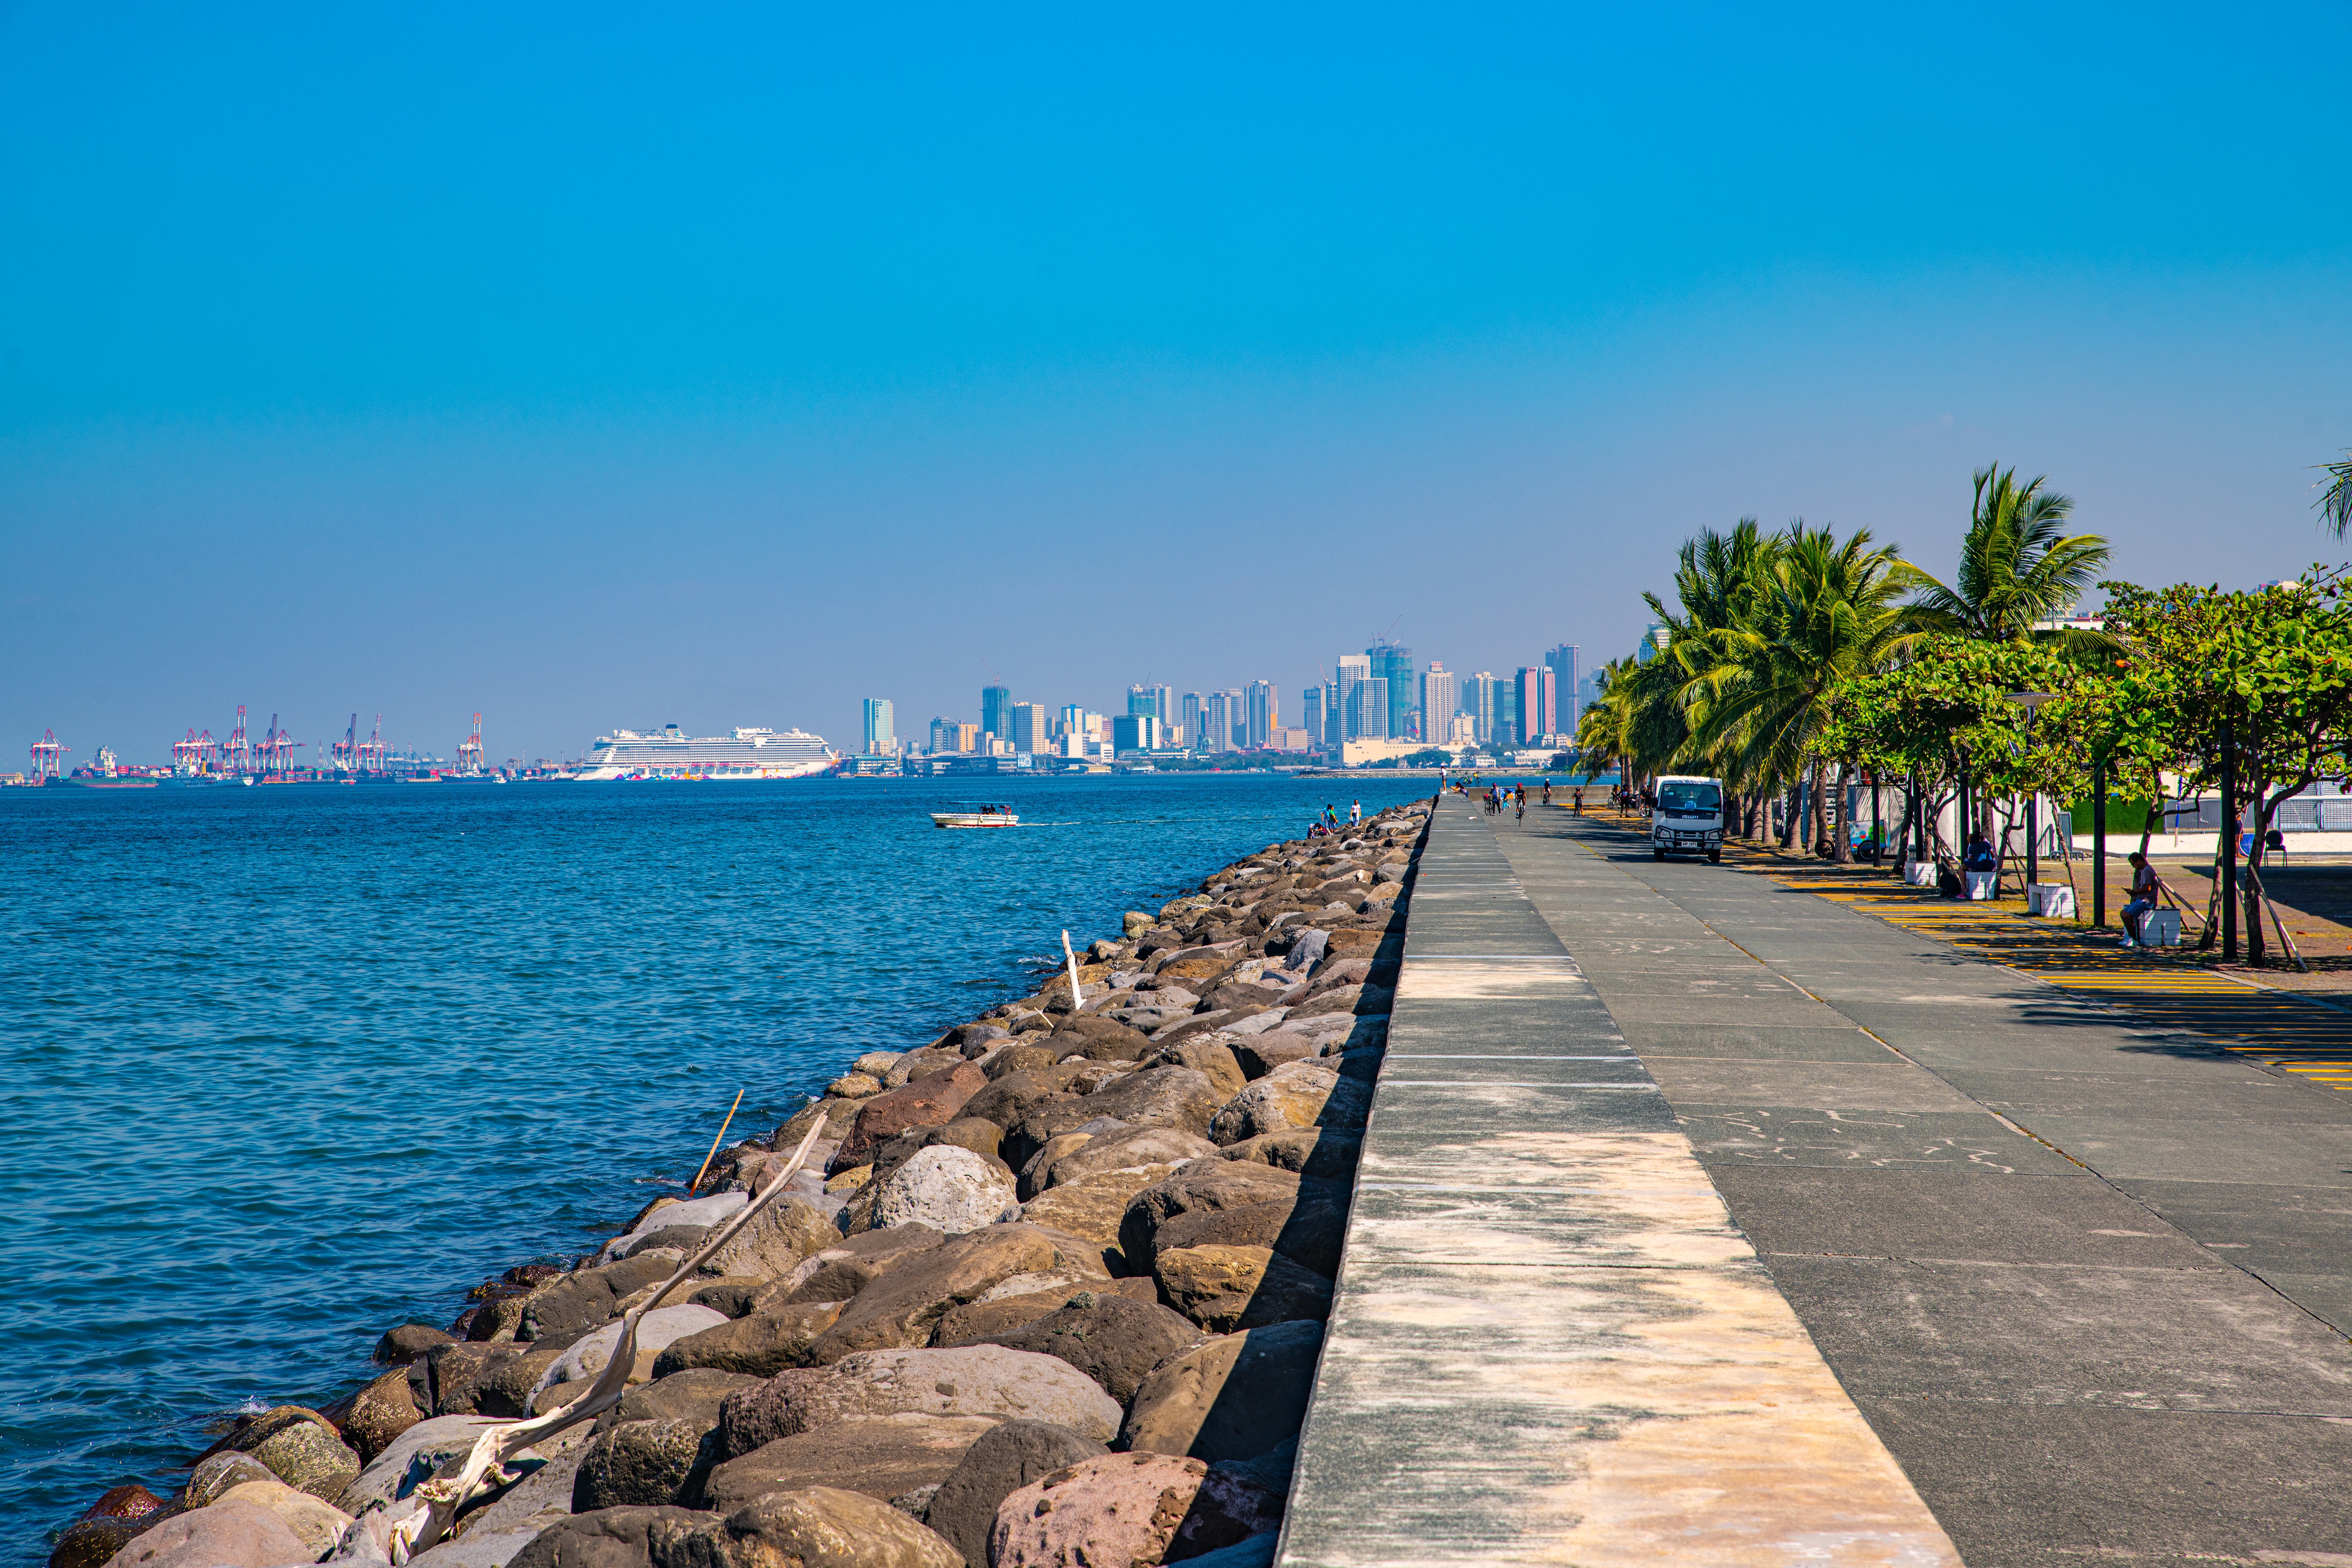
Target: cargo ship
[670,752]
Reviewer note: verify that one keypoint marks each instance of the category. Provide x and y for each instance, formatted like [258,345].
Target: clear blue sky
[586,366]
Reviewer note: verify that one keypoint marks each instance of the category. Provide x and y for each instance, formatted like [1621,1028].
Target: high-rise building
[1225,722]
[1188,720]
[1135,733]
[996,711]
[954,735]
[881,733]
[1479,703]
[1354,669]
[1310,709]
[1369,717]
[1565,663]
[1029,728]
[1537,703]
[1505,729]
[1440,700]
[1655,638]
[1264,714]
[1392,663]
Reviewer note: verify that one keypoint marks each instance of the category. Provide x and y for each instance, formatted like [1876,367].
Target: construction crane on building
[48,758]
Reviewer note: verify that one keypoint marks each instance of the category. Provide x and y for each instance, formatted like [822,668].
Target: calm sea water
[285,1067]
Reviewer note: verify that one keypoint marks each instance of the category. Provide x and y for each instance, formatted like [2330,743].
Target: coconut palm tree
[2016,567]
[2336,502]
[1820,609]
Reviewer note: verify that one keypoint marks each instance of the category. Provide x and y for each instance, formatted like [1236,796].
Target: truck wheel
[1659,853]
[1715,856]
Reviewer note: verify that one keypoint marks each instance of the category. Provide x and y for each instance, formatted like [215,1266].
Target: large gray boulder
[608,1538]
[900,1308]
[949,1188]
[231,1533]
[639,1463]
[760,1346]
[1204,1186]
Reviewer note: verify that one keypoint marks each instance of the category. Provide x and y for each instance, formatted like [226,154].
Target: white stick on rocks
[381,1536]
[1074,998]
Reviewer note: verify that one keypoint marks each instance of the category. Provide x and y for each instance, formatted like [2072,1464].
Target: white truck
[1688,818]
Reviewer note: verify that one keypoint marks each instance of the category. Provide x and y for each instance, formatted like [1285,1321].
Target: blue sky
[585,367]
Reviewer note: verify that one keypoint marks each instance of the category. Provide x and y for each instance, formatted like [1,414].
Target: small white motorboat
[986,816]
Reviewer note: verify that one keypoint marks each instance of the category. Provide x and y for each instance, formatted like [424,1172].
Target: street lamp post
[2029,701]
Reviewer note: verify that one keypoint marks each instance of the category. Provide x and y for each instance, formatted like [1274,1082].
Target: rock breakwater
[1049,1289]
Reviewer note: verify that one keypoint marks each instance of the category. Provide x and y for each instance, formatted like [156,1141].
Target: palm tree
[2335,502]
[1819,610]
[2016,568]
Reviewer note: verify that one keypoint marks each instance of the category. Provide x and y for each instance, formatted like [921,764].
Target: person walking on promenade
[1547,792]
[1580,800]
[2147,888]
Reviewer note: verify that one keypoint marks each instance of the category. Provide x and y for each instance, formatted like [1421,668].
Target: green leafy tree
[2335,503]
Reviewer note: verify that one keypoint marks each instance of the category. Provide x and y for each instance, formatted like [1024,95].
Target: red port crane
[48,757]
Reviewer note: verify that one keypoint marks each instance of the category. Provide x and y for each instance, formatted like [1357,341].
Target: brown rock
[976,1133]
[812,1527]
[228,1534]
[1134,1148]
[1096,1207]
[982,1321]
[760,1346]
[846,1267]
[922,1063]
[931,1101]
[1203,1185]
[1016,1094]
[1136,1508]
[883,1457]
[408,1342]
[381,1412]
[585,1297]
[1212,1059]
[1231,1398]
[300,1448]
[1025,1056]
[1223,1289]
[1309,1232]
[1318,1151]
[94,1541]
[504,1385]
[1016,1453]
[608,1538]
[772,1245]
[643,1463]
[1113,1339]
[736,1295]
[1033,1175]
[1261,1055]
[900,1308]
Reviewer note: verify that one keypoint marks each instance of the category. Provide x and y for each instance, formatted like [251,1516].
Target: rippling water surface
[285,1067]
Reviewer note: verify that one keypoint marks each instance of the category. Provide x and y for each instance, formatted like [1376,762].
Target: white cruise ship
[670,752]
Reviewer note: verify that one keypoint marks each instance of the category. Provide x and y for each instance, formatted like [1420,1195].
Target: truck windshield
[1690,797]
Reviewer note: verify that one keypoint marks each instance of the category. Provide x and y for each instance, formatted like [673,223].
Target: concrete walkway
[2087,1282]
[1549,1343]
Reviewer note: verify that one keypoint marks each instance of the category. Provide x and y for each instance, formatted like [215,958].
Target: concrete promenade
[2088,1283]
[1550,1342]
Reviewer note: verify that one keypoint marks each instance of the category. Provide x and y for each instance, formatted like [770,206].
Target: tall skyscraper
[1310,708]
[1135,733]
[1369,719]
[1190,720]
[1217,723]
[1566,663]
[881,733]
[1157,700]
[1393,662]
[1505,729]
[1538,702]
[1265,717]
[1029,728]
[1440,700]
[996,711]
[1354,669]
[1479,703]
[954,735]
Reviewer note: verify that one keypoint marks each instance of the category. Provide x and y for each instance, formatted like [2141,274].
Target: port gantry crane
[469,750]
[48,757]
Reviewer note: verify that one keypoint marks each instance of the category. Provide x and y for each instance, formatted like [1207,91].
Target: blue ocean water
[284,1066]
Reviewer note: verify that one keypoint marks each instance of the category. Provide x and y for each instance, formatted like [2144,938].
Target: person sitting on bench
[2146,889]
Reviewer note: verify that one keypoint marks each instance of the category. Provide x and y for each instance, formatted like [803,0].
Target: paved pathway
[1549,1343]
[2087,1282]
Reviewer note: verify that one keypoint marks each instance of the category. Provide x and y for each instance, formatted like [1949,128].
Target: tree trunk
[1818,829]
[1795,798]
[1843,843]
